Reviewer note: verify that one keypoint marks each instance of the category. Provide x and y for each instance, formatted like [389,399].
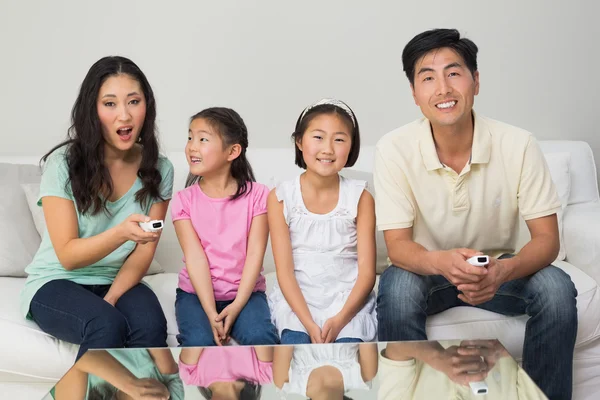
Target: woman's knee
[108,326]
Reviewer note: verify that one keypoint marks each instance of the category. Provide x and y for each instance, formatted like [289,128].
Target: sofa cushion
[559,165]
[23,341]
[19,238]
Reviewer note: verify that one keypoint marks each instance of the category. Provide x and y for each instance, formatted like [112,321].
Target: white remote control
[479,388]
[152,226]
[479,261]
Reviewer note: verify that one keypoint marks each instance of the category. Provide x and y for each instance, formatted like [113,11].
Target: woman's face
[121,109]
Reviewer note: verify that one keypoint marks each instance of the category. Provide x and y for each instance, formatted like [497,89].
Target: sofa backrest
[584,178]
[273,165]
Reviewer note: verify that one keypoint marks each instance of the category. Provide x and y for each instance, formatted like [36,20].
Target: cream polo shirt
[478,208]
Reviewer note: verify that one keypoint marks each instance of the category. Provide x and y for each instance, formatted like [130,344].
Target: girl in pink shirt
[221,223]
[232,372]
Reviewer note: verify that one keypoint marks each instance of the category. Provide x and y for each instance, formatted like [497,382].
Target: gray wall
[268,59]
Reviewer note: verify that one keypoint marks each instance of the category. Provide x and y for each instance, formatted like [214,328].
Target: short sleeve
[537,195]
[281,192]
[180,206]
[395,377]
[260,193]
[355,189]
[55,177]
[189,374]
[393,208]
[165,167]
[265,372]
[174,384]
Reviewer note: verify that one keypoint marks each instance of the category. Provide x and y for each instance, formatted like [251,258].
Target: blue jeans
[406,299]
[252,326]
[79,314]
[295,337]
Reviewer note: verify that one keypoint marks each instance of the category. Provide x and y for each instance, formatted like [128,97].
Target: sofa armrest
[581,233]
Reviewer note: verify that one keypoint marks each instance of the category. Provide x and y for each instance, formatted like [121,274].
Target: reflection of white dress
[325,261]
[343,356]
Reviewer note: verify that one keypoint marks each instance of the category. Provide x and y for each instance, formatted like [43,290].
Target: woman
[84,282]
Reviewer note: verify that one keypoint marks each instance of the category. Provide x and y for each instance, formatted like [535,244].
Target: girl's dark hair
[435,39]
[103,391]
[251,391]
[90,180]
[304,121]
[232,129]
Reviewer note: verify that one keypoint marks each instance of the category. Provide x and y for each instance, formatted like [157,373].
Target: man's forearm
[540,252]
[424,351]
[413,257]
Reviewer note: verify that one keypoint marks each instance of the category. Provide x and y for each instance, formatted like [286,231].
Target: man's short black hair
[436,39]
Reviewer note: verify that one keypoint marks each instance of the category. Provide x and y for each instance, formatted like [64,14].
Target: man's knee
[555,292]
[401,289]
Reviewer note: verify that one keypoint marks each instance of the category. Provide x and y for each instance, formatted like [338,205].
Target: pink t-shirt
[223,226]
[226,364]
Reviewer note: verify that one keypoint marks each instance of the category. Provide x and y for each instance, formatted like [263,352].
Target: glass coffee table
[476,369]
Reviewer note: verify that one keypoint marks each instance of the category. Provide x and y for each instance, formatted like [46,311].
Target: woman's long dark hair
[251,391]
[232,129]
[88,176]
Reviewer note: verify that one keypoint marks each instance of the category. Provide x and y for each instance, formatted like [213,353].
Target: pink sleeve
[265,372]
[261,192]
[180,207]
[188,374]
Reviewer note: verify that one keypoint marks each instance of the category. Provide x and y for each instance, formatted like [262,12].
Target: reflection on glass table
[227,372]
[452,370]
[324,371]
[391,371]
[121,374]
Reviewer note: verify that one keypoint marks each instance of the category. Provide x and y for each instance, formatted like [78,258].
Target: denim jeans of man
[252,326]
[79,314]
[405,299]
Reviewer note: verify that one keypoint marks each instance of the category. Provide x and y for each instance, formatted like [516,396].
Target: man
[452,185]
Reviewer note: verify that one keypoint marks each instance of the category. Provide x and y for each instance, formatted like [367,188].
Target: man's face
[444,88]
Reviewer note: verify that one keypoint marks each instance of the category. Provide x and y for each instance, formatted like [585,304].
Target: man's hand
[453,265]
[484,290]
[459,368]
[490,350]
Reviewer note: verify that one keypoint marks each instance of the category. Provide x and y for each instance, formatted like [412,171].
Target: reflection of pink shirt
[223,226]
[226,364]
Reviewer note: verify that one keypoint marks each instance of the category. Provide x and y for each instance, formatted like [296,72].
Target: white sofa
[32,361]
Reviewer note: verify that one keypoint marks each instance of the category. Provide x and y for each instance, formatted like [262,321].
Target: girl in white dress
[323,236]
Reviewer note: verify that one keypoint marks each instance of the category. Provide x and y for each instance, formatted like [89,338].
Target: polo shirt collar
[480,151]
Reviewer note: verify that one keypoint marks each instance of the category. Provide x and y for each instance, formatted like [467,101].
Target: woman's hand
[130,230]
[147,388]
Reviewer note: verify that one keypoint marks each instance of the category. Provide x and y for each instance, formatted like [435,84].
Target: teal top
[139,363]
[45,265]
